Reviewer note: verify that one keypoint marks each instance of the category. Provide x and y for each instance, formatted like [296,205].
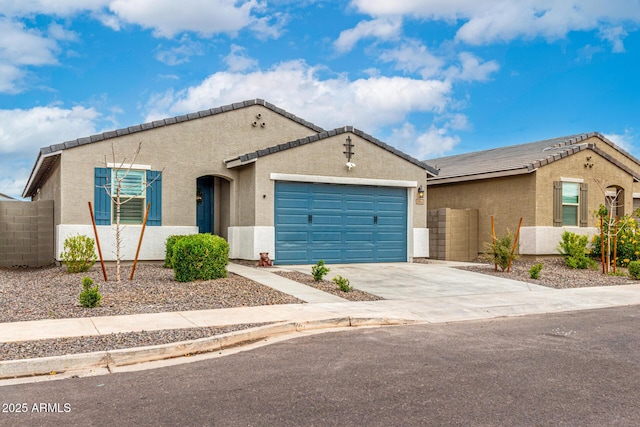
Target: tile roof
[249,157]
[173,120]
[521,158]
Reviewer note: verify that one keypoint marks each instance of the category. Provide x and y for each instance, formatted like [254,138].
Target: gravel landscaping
[52,293]
[328,286]
[555,274]
[77,345]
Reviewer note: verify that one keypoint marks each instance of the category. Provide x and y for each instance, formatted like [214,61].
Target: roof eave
[36,175]
[463,178]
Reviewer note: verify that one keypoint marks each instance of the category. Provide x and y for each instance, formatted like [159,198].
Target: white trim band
[342,180]
[579,180]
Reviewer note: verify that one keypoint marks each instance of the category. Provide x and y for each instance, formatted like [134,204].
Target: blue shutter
[154,196]
[102,201]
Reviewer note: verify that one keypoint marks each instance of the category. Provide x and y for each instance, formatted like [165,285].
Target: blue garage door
[339,223]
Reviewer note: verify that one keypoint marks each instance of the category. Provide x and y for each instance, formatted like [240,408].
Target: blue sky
[431,77]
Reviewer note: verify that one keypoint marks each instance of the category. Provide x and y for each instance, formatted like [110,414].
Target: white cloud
[472,68]
[24,132]
[385,29]
[492,21]
[49,7]
[434,142]
[623,140]
[414,57]
[369,104]
[238,60]
[169,17]
[21,47]
[181,53]
[614,35]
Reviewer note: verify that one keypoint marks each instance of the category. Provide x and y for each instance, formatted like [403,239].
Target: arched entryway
[212,205]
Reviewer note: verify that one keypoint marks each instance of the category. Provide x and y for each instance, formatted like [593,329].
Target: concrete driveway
[397,281]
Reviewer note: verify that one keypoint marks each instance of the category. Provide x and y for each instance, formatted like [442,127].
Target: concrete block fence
[26,233]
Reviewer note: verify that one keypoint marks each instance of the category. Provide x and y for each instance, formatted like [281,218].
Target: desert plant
[573,247]
[534,271]
[79,253]
[343,283]
[90,296]
[168,254]
[200,257]
[499,251]
[634,269]
[319,270]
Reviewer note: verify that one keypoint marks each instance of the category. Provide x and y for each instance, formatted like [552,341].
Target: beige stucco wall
[603,174]
[184,151]
[326,158]
[507,199]
[51,191]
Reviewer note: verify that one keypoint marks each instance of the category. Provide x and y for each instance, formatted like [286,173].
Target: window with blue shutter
[133,194]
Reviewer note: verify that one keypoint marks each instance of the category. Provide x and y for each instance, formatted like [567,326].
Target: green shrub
[499,252]
[89,297]
[343,283]
[319,270]
[200,257]
[573,247]
[534,271]
[634,269]
[79,253]
[168,253]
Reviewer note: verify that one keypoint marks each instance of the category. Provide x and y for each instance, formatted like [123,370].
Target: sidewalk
[326,310]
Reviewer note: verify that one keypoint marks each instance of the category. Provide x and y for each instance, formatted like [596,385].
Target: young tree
[611,225]
[123,188]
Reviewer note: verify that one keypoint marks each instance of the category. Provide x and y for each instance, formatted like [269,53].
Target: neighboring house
[260,177]
[553,185]
[4,197]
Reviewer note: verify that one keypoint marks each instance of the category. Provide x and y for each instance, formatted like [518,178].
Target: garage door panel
[360,205]
[348,223]
[355,220]
[322,237]
[293,236]
[359,237]
[390,236]
[320,219]
[292,219]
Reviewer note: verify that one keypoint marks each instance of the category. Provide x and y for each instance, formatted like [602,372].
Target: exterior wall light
[420,192]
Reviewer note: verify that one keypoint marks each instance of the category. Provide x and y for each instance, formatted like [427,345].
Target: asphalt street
[577,369]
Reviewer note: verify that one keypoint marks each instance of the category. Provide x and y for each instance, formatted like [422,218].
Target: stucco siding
[326,158]
[183,151]
[51,191]
[598,177]
[507,199]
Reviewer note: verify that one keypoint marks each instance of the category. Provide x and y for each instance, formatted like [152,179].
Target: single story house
[553,185]
[262,178]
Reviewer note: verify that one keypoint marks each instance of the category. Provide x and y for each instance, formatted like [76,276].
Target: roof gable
[254,155]
[174,120]
[48,155]
[522,158]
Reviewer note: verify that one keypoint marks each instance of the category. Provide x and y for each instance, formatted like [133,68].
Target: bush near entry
[200,257]
[168,253]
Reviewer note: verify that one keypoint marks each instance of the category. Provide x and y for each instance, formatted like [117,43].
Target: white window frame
[139,194]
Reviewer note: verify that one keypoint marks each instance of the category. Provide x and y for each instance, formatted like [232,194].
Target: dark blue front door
[339,223]
[204,204]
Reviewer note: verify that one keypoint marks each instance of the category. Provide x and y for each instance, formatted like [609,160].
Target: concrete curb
[10,369]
